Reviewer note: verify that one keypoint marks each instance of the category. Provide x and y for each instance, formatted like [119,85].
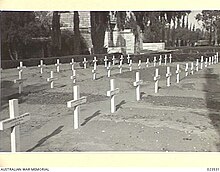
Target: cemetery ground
[184,117]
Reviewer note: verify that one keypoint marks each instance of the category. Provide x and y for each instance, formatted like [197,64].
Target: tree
[99,23]
[77,42]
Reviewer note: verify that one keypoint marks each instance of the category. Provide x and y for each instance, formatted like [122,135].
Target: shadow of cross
[40,142]
[118,106]
[90,117]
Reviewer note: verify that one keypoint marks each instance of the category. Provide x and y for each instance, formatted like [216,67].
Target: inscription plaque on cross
[147,62]
[84,63]
[41,65]
[137,84]
[13,123]
[51,79]
[130,65]
[58,65]
[77,100]
[178,73]
[156,79]
[113,91]
[168,76]
[186,69]
[106,61]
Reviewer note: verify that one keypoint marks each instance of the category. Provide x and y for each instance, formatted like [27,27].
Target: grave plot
[181,117]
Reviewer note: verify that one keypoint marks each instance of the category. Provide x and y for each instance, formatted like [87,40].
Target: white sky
[193,20]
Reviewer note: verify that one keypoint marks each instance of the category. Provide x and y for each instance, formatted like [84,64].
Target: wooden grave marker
[128,58]
[130,65]
[170,57]
[51,79]
[21,67]
[73,76]
[201,64]
[113,60]
[147,63]
[160,60]
[165,59]
[122,58]
[186,69]
[139,64]
[137,84]
[13,123]
[178,73]
[58,65]
[192,68]
[41,65]
[85,63]
[109,70]
[168,76]
[210,60]
[106,61]
[120,67]
[77,100]
[206,62]
[72,63]
[155,60]
[197,65]
[156,79]
[19,81]
[113,91]
[217,57]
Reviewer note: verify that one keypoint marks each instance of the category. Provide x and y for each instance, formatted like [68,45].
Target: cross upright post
[109,70]
[84,63]
[147,62]
[41,66]
[137,84]
[120,67]
[186,69]
[51,79]
[192,68]
[168,76]
[128,58]
[113,60]
[155,61]
[197,65]
[106,61]
[139,64]
[165,59]
[130,65]
[202,60]
[156,79]
[178,73]
[58,65]
[113,91]
[72,63]
[170,58]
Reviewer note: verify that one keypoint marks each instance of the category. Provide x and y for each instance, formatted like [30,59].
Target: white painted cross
[58,65]
[137,84]
[168,76]
[72,63]
[13,123]
[113,60]
[197,65]
[41,65]
[215,59]
[128,58]
[95,63]
[217,56]
[170,58]
[73,77]
[165,59]
[77,100]
[113,91]
[19,81]
[156,79]
[155,61]
[160,60]
[130,65]
[21,67]
[178,73]
[122,58]
[139,64]
[120,67]
[51,79]
[186,69]
[94,74]
[109,70]
[106,61]
[192,68]
[202,60]
[147,62]
[84,63]
[206,62]
[210,60]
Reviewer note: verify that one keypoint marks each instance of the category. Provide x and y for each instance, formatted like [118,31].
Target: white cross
[210,60]
[21,67]
[58,65]
[160,60]
[197,65]
[217,56]
[41,65]
[113,91]
[120,67]
[192,68]
[206,62]
[113,60]
[128,58]
[73,77]
[156,79]
[13,123]
[106,61]
[130,65]
[95,63]
[170,58]
[215,59]
[155,61]
[122,58]
[85,62]
[165,59]
[137,84]
[147,62]
[51,79]
[77,100]
[94,74]
[178,73]
[72,63]
[186,69]
[139,64]
[202,60]
[19,81]
[109,69]
[168,76]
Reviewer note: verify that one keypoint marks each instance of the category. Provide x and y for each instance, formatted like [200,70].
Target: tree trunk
[216,37]
[77,43]
[99,21]
[163,29]
[174,32]
[56,34]
[137,43]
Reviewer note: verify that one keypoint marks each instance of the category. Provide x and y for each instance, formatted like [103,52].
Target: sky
[193,20]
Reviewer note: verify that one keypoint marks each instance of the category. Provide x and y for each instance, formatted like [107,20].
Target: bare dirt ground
[184,117]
